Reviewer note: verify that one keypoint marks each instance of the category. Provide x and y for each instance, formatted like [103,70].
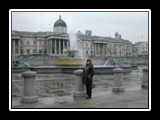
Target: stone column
[97,49]
[118,80]
[79,84]
[67,44]
[37,46]
[100,52]
[55,46]
[94,49]
[106,50]
[29,92]
[19,50]
[13,47]
[50,47]
[47,47]
[63,47]
[145,78]
[103,49]
[59,46]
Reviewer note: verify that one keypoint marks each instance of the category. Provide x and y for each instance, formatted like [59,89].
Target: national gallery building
[54,43]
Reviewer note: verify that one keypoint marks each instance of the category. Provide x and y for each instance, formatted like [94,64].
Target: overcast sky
[132,26]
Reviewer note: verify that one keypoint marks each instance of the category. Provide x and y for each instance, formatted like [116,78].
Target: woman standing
[88,74]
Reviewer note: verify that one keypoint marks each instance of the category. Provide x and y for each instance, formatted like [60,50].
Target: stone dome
[60,23]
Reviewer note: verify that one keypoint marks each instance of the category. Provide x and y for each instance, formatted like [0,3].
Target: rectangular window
[28,42]
[87,52]
[45,51]
[22,51]
[34,42]
[28,51]
[86,45]
[40,42]
[91,52]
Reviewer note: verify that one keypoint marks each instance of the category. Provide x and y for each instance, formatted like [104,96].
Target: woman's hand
[89,76]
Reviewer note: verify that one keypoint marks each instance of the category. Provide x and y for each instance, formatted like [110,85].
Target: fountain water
[73,41]
[74,44]
[73,55]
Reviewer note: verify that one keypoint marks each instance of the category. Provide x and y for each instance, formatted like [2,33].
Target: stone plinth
[29,92]
[145,78]
[118,80]
[79,84]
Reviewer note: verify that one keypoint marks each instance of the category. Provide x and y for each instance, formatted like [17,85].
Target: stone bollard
[118,80]
[145,78]
[29,92]
[79,84]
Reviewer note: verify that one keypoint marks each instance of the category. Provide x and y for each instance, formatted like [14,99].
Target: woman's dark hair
[89,61]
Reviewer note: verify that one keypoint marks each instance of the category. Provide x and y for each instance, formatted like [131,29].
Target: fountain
[73,56]
[73,60]
[18,65]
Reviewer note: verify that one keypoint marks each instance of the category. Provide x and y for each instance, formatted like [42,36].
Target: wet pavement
[102,95]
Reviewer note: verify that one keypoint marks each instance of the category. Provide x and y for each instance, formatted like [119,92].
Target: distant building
[104,46]
[51,43]
[140,48]
[54,43]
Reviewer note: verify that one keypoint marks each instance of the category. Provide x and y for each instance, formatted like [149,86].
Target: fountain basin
[99,69]
[70,62]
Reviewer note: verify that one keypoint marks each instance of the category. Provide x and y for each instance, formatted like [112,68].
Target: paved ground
[103,97]
[131,98]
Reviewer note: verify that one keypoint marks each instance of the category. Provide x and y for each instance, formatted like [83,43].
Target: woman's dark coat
[88,75]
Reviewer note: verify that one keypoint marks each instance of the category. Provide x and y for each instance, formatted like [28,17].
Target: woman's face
[88,63]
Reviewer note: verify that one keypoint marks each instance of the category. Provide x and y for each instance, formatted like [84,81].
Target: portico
[56,46]
[16,46]
[100,48]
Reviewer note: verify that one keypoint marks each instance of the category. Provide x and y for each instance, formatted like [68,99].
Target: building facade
[104,46]
[51,43]
[140,48]
[54,43]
